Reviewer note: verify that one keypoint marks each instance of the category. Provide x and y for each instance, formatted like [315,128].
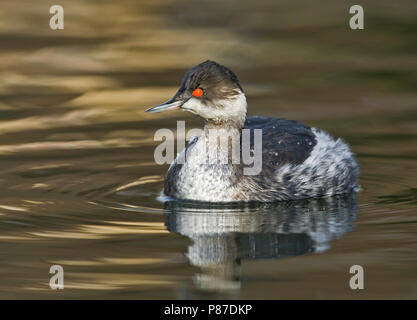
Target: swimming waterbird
[297,161]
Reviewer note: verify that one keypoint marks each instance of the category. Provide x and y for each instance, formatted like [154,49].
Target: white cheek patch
[235,107]
[195,105]
[228,109]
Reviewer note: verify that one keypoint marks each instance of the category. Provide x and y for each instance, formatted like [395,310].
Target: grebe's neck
[229,114]
[229,125]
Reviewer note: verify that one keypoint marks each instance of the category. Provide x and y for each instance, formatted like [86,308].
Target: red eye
[197,93]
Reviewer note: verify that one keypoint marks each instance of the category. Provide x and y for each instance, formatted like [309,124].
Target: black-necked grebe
[297,161]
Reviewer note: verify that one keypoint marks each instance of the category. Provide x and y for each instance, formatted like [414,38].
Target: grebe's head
[210,91]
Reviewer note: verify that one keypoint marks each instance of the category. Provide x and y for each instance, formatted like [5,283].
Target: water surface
[79,184]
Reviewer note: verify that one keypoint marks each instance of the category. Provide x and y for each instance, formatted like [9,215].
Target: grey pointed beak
[168,105]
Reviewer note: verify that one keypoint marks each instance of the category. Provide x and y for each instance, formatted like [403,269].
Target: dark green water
[77,173]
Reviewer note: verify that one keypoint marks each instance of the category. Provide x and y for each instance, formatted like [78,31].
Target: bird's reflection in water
[224,235]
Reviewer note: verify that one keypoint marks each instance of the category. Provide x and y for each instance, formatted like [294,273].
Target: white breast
[200,180]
